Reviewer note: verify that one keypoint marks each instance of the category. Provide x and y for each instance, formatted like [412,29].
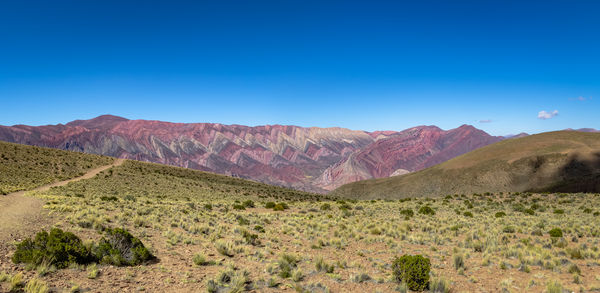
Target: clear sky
[369,65]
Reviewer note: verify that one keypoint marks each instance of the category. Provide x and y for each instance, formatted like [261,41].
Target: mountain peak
[102,121]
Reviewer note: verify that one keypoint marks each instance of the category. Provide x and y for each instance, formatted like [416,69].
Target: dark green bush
[238,207]
[250,238]
[413,270]
[120,248]
[270,205]
[248,204]
[345,206]
[281,206]
[500,214]
[559,211]
[529,212]
[468,214]
[325,207]
[108,198]
[509,229]
[556,232]
[407,213]
[426,210]
[58,247]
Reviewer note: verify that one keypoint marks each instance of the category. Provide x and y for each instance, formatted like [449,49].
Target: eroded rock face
[409,150]
[313,159]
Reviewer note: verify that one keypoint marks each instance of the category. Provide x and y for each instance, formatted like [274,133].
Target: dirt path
[21,216]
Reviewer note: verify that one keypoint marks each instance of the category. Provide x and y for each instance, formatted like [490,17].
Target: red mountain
[314,159]
[406,151]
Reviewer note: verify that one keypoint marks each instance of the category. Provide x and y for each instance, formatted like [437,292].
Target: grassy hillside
[25,167]
[564,161]
[136,179]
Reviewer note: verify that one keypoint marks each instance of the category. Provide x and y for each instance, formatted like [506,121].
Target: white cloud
[547,115]
[580,98]
[485,121]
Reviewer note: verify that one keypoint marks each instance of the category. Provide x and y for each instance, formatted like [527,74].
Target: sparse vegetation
[25,167]
[315,245]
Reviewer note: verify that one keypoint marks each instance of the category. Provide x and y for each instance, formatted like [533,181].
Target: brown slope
[560,161]
[411,150]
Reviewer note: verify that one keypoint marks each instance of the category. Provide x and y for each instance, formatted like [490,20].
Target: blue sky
[369,65]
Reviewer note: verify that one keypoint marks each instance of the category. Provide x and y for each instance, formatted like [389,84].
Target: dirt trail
[21,216]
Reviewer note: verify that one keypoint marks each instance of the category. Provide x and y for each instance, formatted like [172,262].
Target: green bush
[238,207]
[59,248]
[108,198]
[426,210]
[559,211]
[269,205]
[248,204]
[325,207]
[509,229]
[413,270]
[468,214]
[556,232]
[500,214]
[281,206]
[250,238]
[120,248]
[407,213]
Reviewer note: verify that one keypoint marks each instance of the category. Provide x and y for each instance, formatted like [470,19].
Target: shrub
[459,261]
[426,210]
[238,207]
[556,232]
[407,213]
[281,206]
[269,205]
[120,248]
[59,248]
[225,248]
[199,259]
[412,270]
[500,214]
[575,253]
[242,221]
[530,212]
[439,285]
[250,238]
[554,287]
[286,263]
[574,269]
[559,211]
[16,282]
[322,266]
[36,286]
[325,207]
[361,278]
[468,214]
[509,229]
[108,198]
[248,204]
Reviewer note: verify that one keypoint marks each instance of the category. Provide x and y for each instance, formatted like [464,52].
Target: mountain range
[306,158]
